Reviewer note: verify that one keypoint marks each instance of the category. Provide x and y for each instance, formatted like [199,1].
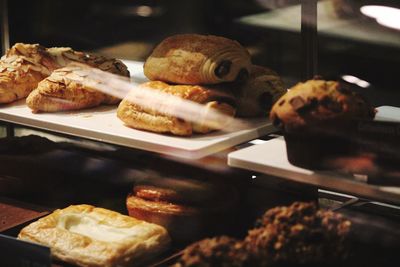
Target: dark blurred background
[350,43]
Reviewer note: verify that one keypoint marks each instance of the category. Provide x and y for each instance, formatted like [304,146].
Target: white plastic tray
[270,158]
[102,124]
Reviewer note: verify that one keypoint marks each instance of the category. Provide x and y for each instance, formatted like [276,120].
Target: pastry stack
[44,77]
[210,70]
[189,209]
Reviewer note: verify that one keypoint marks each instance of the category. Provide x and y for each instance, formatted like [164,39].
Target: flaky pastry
[25,65]
[197,59]
[90,236]
[150,119]
[21,69]
[64,90]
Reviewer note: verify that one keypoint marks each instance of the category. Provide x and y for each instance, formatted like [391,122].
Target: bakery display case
[199,133]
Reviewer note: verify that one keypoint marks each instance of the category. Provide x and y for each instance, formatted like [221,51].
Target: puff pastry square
[88,236]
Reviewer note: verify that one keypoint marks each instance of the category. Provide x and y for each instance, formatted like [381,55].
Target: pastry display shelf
[354,28]
[102,124]
[270,157]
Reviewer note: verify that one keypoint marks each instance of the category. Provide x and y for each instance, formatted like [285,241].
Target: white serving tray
[270,157]
[102,124]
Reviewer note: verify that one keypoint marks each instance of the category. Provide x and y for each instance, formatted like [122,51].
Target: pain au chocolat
[197,59]
[88,236]
[256,96]
[150,119]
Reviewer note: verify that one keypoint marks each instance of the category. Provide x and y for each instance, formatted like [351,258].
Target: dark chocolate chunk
[281,102]
[344,89]
[223,68]
[242,76]
[276,121]
[332,105]
[265,101]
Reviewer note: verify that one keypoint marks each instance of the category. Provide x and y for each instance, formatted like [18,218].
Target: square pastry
[88,236]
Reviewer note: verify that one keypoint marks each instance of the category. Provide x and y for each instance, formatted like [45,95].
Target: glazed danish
[197,59]
[150,119]
[90,236]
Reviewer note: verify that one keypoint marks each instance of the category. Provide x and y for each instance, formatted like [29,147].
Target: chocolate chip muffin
[299,234]
[316,101]
[222,251]
[315,117]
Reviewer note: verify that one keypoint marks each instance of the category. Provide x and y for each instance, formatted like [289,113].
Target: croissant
[25,65]
[21,69]
[149,119]
[197,59]
[64,90]
[256,96]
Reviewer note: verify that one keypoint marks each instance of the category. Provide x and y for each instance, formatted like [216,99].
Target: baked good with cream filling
[88,236]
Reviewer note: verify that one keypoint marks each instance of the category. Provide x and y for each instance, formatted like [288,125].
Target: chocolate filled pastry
[25,65]
[256,96]
[151,120]
[188,209]
[88,236]
[198,59]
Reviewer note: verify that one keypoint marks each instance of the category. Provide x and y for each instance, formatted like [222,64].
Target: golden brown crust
[152,120]
[316,101]
[183,222]
[90,236]
[63,90]
[21,69]
[197,59]
[25,65]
